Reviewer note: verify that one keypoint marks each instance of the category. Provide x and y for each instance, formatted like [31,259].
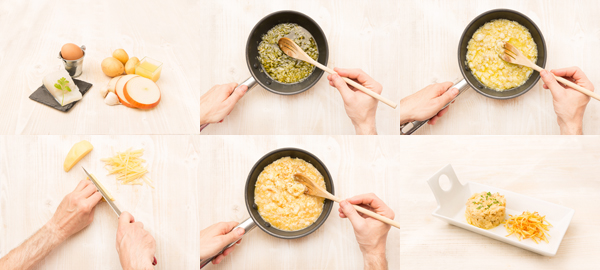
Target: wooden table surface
[33,34]
[433,29]
[560,170]
[357,164]
[33,183]
[358,32]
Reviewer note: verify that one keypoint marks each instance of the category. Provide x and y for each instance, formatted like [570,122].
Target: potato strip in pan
[528,225]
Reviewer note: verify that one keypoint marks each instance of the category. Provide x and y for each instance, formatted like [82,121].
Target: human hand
[75,211]
[569,104]
[427,103]
[136,247]
[219,101]
[371,234]
[360,107]
[216,237]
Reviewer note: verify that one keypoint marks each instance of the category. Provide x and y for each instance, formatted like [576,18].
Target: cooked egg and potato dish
[281,200]
[486,45]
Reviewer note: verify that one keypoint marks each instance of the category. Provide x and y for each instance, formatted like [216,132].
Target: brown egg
[71,51]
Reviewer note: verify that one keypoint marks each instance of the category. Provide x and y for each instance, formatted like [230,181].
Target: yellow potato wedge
[77,152]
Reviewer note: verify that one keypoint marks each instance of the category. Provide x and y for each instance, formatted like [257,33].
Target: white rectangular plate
[452,206]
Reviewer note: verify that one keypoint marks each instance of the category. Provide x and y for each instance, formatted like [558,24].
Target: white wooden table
[33,33]
[358,165]
[33,183]
[554,169]
[359,34]
[432,32]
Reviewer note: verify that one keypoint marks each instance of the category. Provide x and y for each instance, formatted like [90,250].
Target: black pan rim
[462,37]
[318,70]
[325,212]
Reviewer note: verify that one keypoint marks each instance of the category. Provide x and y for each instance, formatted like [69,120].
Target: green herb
[489,194]
[479,207]
[62,84]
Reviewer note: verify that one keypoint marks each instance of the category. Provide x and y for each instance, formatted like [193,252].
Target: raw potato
[77,152]
[112,67]
[130,66]
[121,55]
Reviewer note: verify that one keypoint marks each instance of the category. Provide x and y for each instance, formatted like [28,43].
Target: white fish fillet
[69,97]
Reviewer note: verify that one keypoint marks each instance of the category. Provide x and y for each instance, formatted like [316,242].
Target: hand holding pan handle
[247,225]
[410,127]
[250,82]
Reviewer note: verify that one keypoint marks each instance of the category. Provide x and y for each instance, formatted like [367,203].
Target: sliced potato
[77,152]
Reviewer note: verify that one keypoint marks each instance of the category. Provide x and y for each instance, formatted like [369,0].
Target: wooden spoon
[513,55]
[292,49]
[314,190]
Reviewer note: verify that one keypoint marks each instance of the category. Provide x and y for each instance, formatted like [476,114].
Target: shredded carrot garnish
[528,225]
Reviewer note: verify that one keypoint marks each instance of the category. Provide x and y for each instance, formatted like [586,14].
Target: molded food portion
[142,93]
[77,152]
[486,210]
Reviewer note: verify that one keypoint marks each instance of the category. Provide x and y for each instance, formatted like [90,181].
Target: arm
[219,101]
[427,103]
[360,107]
[569,104]
[371,234]
[216,237]
[136,247]
[75,212]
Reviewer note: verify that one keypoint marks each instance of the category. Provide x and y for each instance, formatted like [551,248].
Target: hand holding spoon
[292,49]
[513,55]
[314,190]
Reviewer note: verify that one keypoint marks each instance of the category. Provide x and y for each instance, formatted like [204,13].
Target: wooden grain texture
[33,183]
[359,34]
[33,33]
[433,32]
[561,170]
[357,164]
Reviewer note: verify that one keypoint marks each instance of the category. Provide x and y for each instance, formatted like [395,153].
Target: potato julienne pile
[281,200]
[487,44]
[128,166]
[528,225]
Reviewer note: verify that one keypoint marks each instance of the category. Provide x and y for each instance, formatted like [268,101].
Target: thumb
[446,97]
[237,94]
[232,236]
[341,85]
[550,81]
[351,213]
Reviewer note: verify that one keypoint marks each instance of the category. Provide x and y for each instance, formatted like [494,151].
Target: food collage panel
[299,135]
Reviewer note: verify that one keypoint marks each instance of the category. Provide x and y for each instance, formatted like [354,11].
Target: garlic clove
[111,99]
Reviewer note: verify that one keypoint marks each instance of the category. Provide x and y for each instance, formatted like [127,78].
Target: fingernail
[343,203]
[454,91]
[240,231]
[544,72]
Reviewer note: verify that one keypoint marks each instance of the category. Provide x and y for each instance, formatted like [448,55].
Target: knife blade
[104,195]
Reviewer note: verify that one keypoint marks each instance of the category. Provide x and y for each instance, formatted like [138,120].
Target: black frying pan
[258,75]
[471,81]
[255,218]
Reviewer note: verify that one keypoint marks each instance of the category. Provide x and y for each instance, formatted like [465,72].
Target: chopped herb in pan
[277,64]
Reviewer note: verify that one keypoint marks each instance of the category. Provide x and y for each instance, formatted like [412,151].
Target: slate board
[42,95]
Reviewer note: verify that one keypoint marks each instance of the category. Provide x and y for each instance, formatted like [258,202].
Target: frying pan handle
[410,127]
[250,82]
[247,225]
